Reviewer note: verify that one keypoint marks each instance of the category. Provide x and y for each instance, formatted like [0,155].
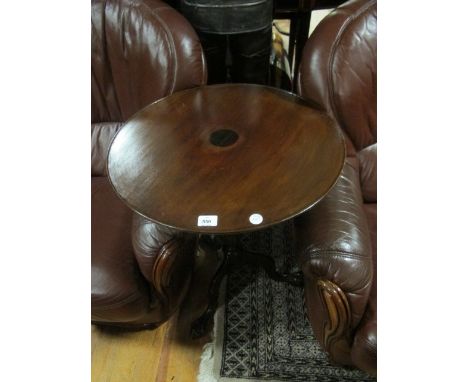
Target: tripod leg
[268,264]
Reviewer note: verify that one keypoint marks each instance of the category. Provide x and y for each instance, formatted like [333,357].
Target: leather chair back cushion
[339,69]
[141,51]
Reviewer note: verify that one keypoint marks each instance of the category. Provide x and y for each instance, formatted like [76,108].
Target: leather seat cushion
[118,290]
[364,350]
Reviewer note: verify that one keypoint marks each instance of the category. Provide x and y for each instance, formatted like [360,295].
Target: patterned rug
[261,331]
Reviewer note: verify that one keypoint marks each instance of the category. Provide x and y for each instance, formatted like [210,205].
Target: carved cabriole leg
[336,331]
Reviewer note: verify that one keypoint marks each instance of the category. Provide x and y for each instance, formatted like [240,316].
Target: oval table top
[225,158]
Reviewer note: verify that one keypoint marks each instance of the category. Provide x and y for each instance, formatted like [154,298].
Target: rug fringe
[207,359]
[205,372]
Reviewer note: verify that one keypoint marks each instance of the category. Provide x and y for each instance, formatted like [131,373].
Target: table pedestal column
[233,253]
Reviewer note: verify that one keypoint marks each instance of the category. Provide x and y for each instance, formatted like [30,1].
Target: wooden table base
[233,253]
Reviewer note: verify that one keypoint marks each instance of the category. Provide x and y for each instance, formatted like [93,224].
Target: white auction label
[208,220]
[256,218]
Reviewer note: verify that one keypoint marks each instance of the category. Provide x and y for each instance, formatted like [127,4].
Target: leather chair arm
[148,240]
[368,172]
[101,138]
[334,245]
[165,257]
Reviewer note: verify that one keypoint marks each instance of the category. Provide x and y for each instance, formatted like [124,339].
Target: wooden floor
[164,354]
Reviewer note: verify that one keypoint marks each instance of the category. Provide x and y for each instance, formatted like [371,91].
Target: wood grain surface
[169,164]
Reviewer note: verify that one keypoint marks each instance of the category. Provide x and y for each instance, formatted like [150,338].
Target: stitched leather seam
[349,20]
[243,5]
[338,253]
[326,254]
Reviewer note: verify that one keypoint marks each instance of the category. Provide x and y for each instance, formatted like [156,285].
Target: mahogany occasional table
[226,159]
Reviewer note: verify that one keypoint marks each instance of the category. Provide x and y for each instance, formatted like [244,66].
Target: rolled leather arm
[148,240]
[335,250]
[101,138]
[165,257]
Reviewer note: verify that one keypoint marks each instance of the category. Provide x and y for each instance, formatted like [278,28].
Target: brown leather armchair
[141,51]
[337,238]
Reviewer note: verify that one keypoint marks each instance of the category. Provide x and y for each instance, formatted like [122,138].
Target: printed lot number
[207,220]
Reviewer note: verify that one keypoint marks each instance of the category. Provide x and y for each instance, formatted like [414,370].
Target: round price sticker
[256,219]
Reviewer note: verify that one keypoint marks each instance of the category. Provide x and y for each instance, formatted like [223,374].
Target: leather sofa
[141,51]
[337,238]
